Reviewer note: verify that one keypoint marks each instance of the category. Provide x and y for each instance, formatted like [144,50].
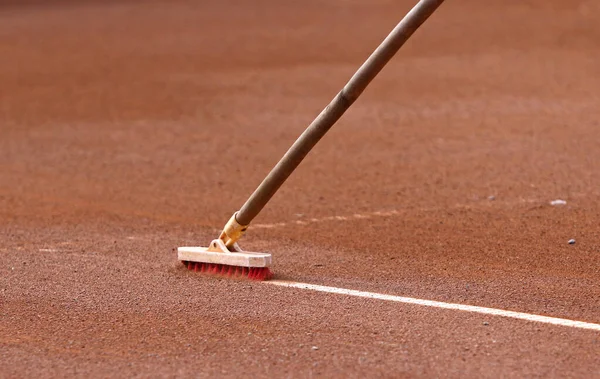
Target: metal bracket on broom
[224,256]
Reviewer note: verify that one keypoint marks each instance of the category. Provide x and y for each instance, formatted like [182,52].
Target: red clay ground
[132,128]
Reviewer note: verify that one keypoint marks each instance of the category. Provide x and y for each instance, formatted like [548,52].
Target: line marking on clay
[356,216]
[389,213]
[441,304]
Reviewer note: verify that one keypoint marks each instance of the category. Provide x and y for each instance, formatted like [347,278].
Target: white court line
[329,218]
[441,304]
[389,213]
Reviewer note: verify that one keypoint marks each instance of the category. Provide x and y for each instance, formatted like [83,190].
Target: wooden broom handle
[341,102]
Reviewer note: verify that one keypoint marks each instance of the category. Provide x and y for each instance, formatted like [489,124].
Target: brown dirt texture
[129,128]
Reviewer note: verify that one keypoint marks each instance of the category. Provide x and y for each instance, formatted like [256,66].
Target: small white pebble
[558,202]
[491,198]
[315,348]
[571,242]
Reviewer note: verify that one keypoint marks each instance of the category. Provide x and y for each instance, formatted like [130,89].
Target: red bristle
[252,273]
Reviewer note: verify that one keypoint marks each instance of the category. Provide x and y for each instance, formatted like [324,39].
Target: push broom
[224,256]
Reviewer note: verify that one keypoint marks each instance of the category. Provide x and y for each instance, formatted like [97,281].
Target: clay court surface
[131,128]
